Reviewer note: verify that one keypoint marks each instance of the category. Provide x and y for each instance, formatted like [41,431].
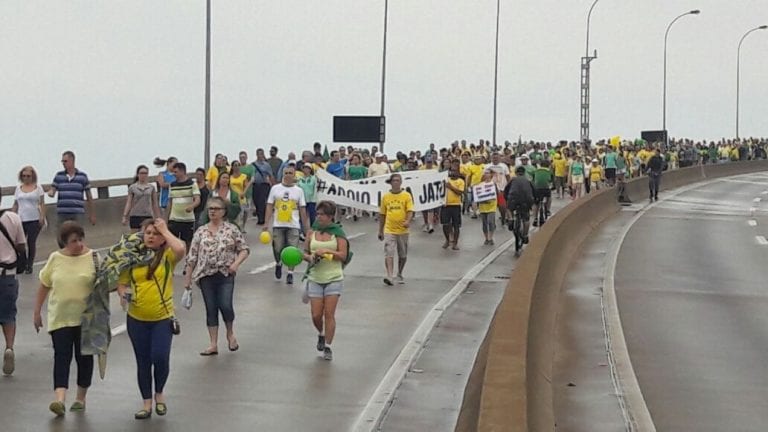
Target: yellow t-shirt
[477,173]
[465,171]
[561,167]
[146,304]
[595,173]
[395,207]
[489,206]
[212,176]
[238,185]
[451,197]
[69,280]
[644,155]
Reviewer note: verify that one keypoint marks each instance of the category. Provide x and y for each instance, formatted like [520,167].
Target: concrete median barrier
[510,388]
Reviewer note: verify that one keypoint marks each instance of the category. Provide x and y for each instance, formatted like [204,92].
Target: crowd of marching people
[198,220]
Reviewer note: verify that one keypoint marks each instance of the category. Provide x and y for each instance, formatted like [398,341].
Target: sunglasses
[215,208]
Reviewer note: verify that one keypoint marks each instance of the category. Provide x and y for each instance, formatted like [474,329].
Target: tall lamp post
[207,155]
[383,75]
[666,37]
[738,73]
[496,72]
[585,66]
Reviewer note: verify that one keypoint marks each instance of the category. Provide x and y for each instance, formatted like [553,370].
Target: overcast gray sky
[122,81]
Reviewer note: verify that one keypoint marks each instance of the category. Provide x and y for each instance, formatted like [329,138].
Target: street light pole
[207,152]
[666,36]
[496,73]
[383,71]
[586,61]
[738,73]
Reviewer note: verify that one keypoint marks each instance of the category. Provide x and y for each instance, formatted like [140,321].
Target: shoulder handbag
[175,324]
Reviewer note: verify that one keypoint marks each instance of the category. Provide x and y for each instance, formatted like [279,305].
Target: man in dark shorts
[519,193]
[12,247]
[450,213]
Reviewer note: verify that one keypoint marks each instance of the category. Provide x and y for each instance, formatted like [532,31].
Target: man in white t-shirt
[286,213]
[501,177]
[380,167]
[12,247]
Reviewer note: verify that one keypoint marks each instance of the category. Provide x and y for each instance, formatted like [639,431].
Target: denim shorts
[317,290]
[9,292]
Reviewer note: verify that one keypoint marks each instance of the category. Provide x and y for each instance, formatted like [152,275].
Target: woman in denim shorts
[326,250]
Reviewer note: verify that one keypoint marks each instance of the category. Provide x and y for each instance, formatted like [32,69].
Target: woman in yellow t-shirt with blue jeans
[148,292]
[67,281]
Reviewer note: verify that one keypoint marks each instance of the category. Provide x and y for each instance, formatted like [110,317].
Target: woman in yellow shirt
[148,292]
[67,281]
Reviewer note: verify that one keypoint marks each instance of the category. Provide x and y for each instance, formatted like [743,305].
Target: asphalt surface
[277,381]
[691,292]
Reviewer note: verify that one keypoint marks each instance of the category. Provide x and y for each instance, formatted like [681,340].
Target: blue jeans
[218,291]
[152,346]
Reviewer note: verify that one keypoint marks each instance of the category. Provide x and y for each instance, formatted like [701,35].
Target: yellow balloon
[264,237]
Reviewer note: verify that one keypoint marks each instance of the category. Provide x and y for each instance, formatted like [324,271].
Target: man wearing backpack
[12,249]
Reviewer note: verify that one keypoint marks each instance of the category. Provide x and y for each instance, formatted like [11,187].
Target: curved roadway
[691,289]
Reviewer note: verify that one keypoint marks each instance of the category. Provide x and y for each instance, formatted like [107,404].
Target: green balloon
[291,256]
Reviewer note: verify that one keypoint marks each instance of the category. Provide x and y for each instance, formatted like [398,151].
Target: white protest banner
[427,188]
[483,192]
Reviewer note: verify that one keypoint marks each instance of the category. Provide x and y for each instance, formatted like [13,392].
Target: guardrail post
[102,192]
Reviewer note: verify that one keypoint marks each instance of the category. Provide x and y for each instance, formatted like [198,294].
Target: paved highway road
[691,289]
[277,381]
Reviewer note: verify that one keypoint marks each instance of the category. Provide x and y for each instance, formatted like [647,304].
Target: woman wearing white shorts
[326,249]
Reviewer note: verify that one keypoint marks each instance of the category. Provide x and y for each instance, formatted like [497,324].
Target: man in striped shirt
[184,197]
[74,191]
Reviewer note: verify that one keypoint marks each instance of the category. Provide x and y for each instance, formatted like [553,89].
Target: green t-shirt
[577,168]
[542,178]
[529,170]
[357,172]
[249,171]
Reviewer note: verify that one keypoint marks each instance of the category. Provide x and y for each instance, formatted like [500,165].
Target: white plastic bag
[186,298]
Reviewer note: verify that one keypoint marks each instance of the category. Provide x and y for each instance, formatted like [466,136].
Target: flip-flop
[209,353]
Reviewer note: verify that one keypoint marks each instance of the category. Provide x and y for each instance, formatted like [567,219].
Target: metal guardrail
[101,186]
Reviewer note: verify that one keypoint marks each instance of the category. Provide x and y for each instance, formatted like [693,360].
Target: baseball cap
[595,160]
[379,155]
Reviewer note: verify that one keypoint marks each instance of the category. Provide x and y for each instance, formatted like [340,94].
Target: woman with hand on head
[218,248]
[66,281]
[148,291]
[326,249]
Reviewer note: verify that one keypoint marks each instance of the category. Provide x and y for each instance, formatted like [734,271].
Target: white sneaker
[400,280]
[425,228]
[348,217]
[9,362]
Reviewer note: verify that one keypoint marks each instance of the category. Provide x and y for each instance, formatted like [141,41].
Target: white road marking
[271,265]
[752,209]
[761,240]
[765,192]
[376,408]
[757,200]
[752,222]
